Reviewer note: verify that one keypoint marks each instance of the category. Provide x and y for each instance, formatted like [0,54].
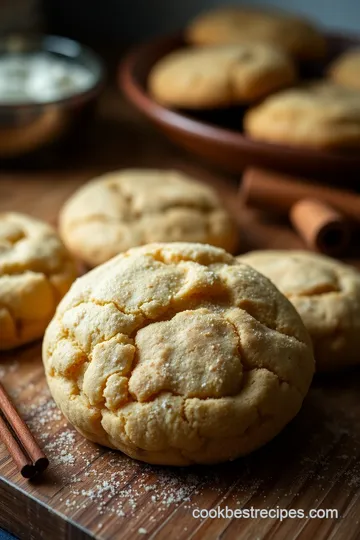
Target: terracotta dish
[216,135]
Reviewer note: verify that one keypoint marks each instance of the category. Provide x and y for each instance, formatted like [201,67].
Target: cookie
[35,272]
[210,77]
[229,25]
[345,70]
[177,354]
[326,293]
[129,208]
[322,116]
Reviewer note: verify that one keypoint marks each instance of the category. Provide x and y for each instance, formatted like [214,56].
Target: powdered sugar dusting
[319,448]
[5,369]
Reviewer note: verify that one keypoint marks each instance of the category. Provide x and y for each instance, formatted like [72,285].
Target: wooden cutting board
[91,492]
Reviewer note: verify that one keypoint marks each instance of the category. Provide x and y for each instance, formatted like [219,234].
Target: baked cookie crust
[319,115]
[210,77]
[35,272]
[226,25]
[128,208]
[345,70]
[177,354]
[326,293]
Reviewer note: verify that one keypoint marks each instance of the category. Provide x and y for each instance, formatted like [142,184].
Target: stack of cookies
[252,58]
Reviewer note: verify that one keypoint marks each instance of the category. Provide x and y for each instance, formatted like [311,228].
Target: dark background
[127,21]
[130,20]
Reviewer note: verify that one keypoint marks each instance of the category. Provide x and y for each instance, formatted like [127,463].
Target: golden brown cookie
[220,76]
[320,115]
[228,25]
[129,208]
[326,293]
[35,272]
[177,354]
[345,70]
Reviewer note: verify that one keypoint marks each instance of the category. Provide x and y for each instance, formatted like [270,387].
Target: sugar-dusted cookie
[129,208]
[220,76]
[318,115]
[177,354]
[227,25]
[345,70]
[326,293]
[35,272]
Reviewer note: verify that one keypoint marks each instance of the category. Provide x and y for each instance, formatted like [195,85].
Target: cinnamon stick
[24,440]
[268,190]
[321,227]
[22,461]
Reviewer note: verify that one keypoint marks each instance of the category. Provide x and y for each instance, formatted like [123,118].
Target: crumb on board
[111,484]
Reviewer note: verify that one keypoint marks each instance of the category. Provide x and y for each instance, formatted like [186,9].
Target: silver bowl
[27,126]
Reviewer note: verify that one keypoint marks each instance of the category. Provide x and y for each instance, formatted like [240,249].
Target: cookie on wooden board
[326,293]
[35,272]
[210,77]
[177,354]
[129,208]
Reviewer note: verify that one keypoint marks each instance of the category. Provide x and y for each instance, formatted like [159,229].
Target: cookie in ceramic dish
[35,272]
[345,70]
[229,25]
[326,293]
[129,208]
[211,77]
[177,354]
[318,115]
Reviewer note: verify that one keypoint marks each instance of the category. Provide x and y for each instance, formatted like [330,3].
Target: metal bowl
[27,126]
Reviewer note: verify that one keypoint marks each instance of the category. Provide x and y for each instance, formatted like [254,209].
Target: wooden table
[90,492]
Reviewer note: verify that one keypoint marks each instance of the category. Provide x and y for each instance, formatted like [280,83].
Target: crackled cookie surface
[326,293]
[35,272]
[220,76]
[177,354]
[129,208]
[293,34]
[318,115]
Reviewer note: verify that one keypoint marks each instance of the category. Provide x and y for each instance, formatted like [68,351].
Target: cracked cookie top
[130,208]
[241,24]
[325,292]
[177,354]
[35,272]
[313,115]
[219,76]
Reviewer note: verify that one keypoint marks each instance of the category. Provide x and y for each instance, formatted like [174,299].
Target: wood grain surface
[91,492]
